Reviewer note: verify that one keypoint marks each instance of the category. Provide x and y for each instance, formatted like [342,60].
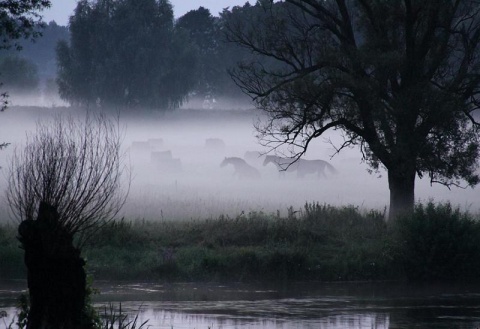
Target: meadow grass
[11,256]
[318,242]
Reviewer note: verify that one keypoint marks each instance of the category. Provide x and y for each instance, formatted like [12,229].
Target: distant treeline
[33,69]
[131,53]
[320,242]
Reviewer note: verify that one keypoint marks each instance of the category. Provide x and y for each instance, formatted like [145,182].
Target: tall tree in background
[202,31]
[399,78]
[18,19]
[232,53]
[75,59]
[125,53]
[214,55]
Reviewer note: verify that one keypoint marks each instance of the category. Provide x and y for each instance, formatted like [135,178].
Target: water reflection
[260,314]
[166,319]
[299,305]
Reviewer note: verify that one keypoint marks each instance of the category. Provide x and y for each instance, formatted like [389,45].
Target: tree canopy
[125,53]
[20,19]
[202,31]
[399,78]
[134,54]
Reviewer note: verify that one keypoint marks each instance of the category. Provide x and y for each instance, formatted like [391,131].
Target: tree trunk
[401,182]
[56,275]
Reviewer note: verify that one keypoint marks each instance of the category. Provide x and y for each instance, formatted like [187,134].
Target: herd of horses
[302,167]
[244,168]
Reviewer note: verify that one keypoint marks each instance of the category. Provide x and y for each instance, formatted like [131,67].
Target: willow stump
[56,274]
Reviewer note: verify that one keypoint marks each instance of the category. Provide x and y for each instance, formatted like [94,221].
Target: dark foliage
[321,243]
[438,242]
[18,74]
[20,19]
[125,53]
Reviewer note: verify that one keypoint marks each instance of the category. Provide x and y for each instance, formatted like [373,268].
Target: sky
[61,10]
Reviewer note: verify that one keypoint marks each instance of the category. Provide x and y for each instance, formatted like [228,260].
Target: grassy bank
[320,242]
[11,256]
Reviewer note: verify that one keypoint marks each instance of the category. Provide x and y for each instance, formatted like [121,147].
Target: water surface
[298,305]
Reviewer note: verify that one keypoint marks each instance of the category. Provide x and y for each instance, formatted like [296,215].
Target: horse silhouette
[319,167]
[283,164]
[242,169]
[301,166]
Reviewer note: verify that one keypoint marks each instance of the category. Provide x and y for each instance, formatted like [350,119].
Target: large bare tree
[399,78]
[63,184]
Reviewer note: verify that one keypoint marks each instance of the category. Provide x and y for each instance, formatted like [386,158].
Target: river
[295,305]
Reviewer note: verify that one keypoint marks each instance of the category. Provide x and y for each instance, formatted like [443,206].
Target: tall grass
[112,318]
[320,242]
[317,242]
[11,256]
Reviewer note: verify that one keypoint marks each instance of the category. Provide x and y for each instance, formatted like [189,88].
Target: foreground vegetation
[320,242]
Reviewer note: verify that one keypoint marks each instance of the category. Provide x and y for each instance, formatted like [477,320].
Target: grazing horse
[302,166]
[242,169]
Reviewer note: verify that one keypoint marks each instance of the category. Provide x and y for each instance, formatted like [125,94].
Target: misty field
[188,218]
[174,160]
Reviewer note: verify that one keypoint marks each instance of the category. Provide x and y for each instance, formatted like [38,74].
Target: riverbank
[315,244]
[320,242]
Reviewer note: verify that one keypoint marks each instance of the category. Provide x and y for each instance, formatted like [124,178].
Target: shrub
[437,242]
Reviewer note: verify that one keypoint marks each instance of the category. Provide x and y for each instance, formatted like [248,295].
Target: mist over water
[175,161]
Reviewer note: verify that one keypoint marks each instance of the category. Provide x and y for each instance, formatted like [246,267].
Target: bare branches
[74,166]
[387,73]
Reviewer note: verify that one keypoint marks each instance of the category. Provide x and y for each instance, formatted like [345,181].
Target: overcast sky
[61,10]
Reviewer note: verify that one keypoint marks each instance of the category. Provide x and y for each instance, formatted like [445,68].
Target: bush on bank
[320,242]
[438,242]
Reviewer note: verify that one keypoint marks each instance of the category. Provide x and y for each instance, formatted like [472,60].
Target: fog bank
[176,173]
